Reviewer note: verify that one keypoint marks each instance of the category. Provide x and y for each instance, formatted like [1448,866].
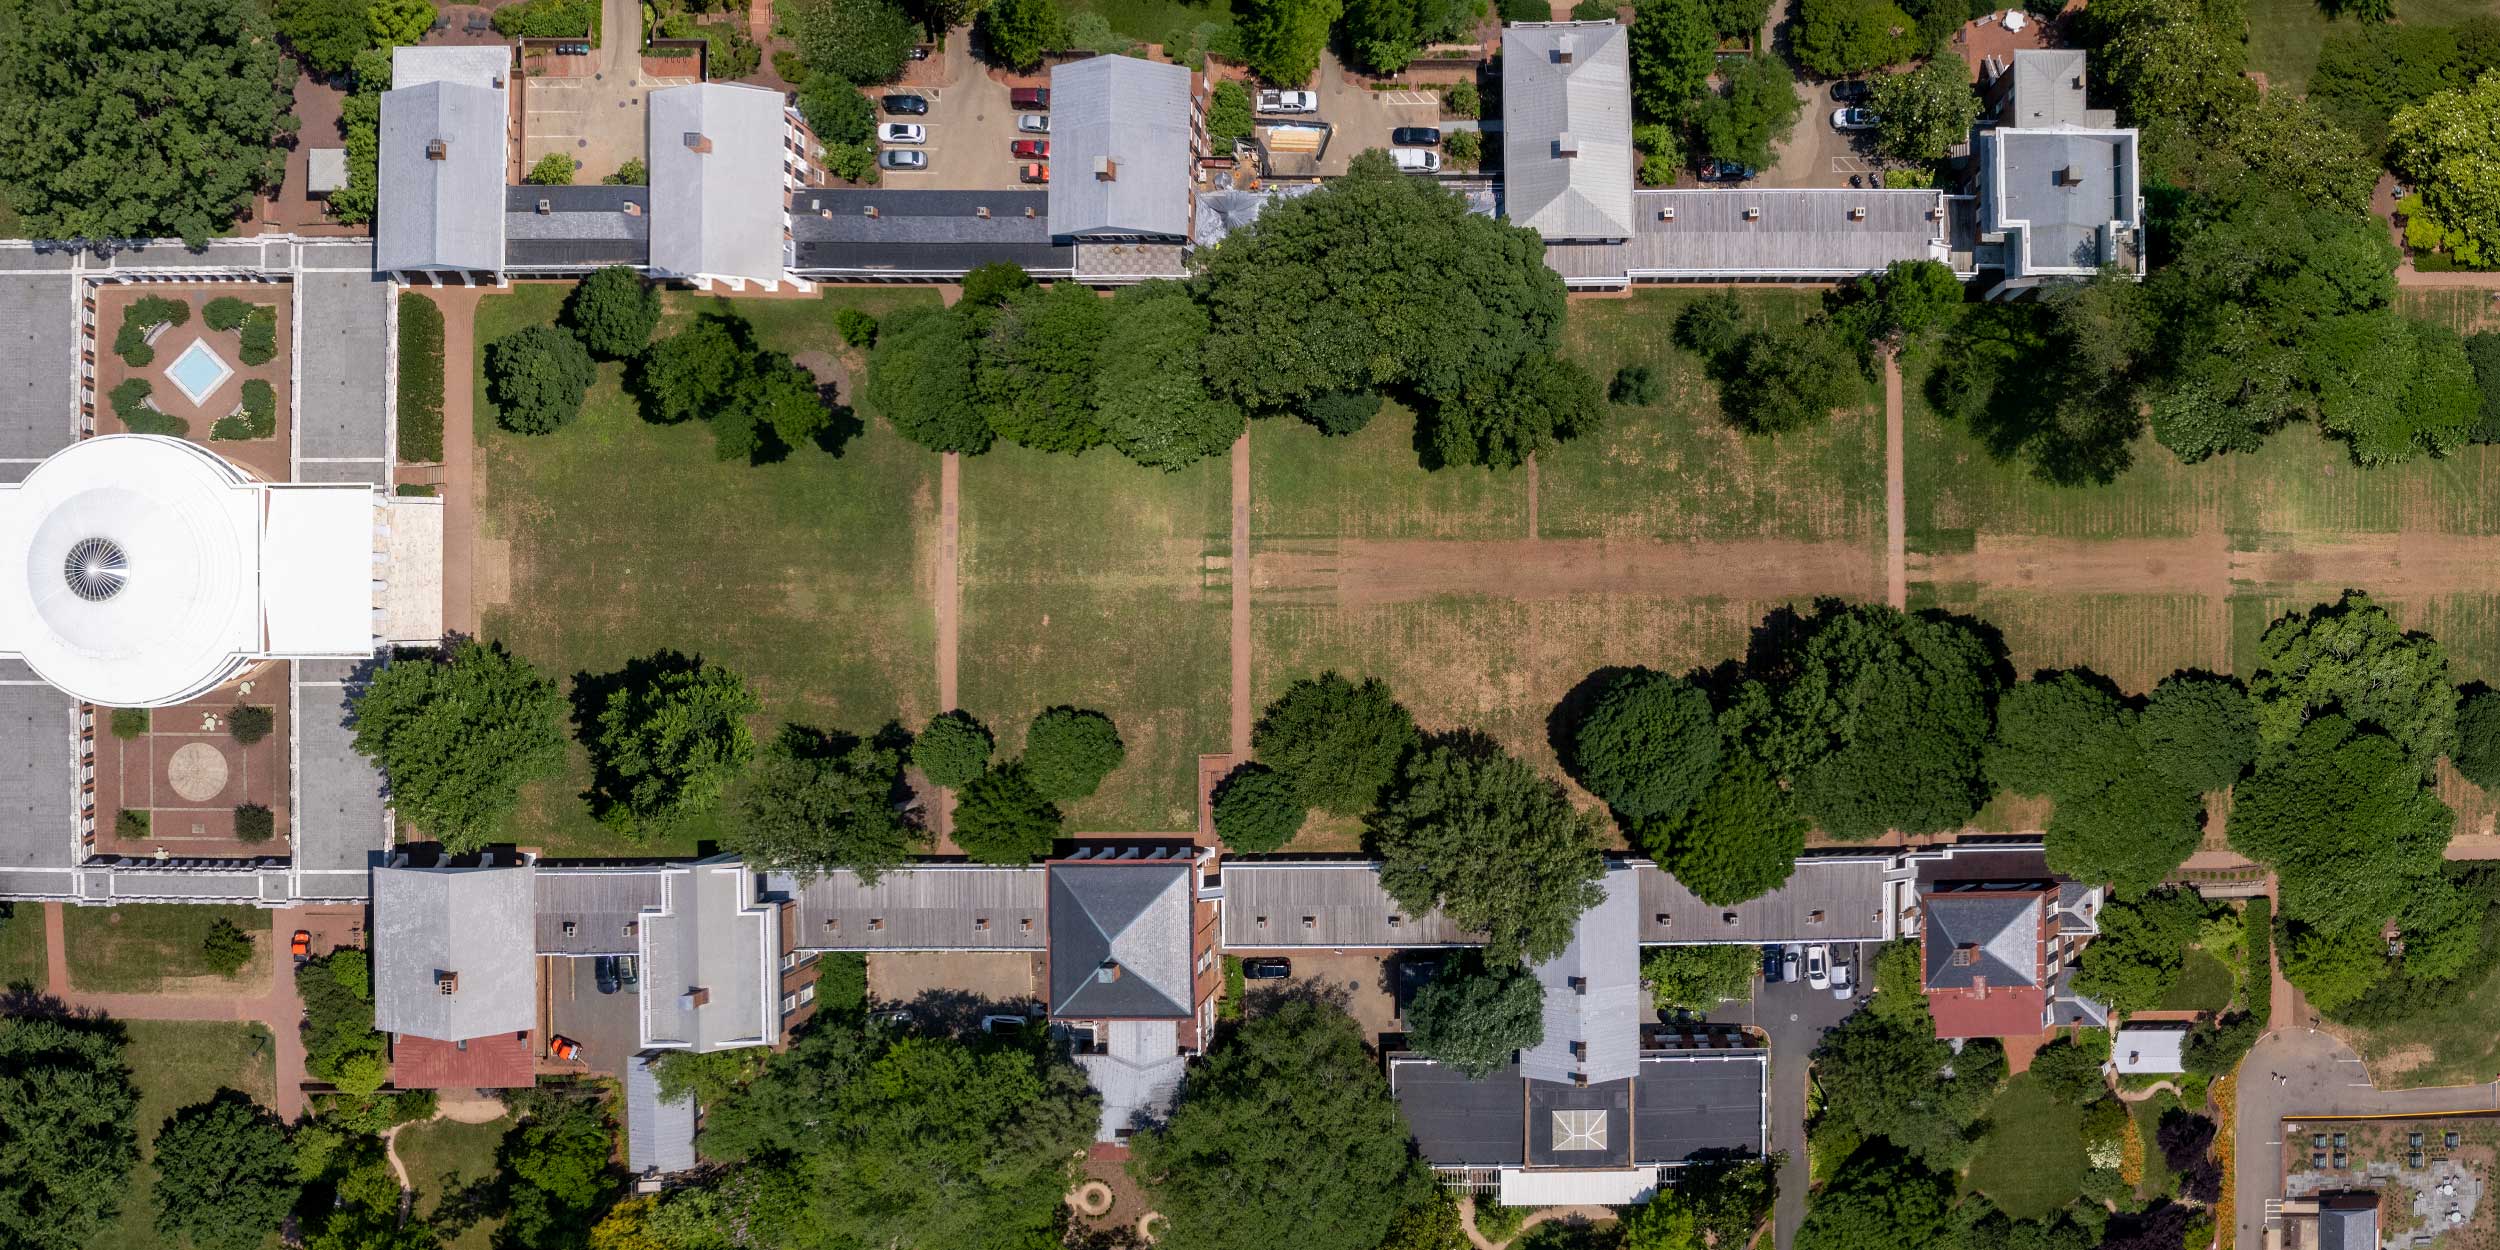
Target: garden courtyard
[211,363]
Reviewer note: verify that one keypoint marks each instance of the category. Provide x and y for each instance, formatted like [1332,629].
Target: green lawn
[2284,36]
[140,948]
[2148,1113]
[1170,22]
[2452,1042]
[2031,1163]
[1371,485]
[441,1156]
[2204,984]
[175,1064]
[22,947]
[810,577]
[1087,580]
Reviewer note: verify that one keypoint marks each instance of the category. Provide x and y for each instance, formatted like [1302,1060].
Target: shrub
[555,169]
[1069,751]
[225,313]
[254,823]
[1637,386]
[226,948]
[633,173]
[1463,147]
[1593,11]
[1343,412]
[129,400]
[2477,753]
[858,329]
[953,749]
[130,824]
[1228,114]
[836,110]
[259,418]
[1461,99]
[250,723]
[420,379]
[536,378]
[1256,810]
[544,19]
[1525,11]
[145,313]
[129,722]
[260,336]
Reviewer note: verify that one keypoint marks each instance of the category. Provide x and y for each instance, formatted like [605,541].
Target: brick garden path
[459,486]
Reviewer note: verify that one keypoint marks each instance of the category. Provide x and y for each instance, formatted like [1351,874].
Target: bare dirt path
[276,1007]
[1240,571]
[1364,573]
[1896,498]
[2393,566]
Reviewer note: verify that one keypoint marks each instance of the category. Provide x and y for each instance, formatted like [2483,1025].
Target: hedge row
[420,379]
[2258,922]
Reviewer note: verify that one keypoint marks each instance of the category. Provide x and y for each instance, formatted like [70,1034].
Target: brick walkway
[457,480]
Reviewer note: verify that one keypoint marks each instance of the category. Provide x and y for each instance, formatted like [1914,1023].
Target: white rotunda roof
[130,570]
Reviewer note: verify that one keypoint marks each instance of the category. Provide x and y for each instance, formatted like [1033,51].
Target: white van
[1416,160]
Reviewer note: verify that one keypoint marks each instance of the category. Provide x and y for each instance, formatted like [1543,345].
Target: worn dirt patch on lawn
[1360,573]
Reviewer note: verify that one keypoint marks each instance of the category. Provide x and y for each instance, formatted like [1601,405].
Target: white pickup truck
[1288,102]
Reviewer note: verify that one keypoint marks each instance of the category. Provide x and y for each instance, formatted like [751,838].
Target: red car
[1033,173]
[563,1048]
[1030,149]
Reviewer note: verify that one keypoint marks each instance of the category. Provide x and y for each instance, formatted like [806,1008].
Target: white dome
[130,571]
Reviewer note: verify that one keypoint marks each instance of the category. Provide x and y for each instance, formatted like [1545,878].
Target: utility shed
[452,951]
[1567,129]
[2157,1048]
[1123,133]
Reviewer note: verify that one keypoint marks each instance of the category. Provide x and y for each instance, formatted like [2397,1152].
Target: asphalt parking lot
[1795,1014]
[1817,155]
[969,125]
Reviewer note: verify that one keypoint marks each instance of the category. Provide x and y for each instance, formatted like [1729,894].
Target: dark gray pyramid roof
[1119,940]
[2004,929]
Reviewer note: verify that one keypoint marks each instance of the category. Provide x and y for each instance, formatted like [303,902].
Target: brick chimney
[698,142]
[1106,169]
[438,150]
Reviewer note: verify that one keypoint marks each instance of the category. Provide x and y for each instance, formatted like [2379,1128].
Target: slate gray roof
[1826,899]
[343,331]
[341,817]
[922,232]
[710,940]
[1136,115]
[603,906]
[585,226]
[925,907]
[659,1135]
[1796,232]
[1119,940]
[716,181]
[2067,199]
[2048,90]
[39,389]
[442,213]
[1266,904]
[2003,929]
[38,776]
[1138,1076]
[1567,129]
[471,922]
[1593,993]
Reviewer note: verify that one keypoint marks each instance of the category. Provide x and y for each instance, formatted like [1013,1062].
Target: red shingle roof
[2011,1011]
[497,1061]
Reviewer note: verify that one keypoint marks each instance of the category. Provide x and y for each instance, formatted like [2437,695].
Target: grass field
[809,576]
[2147,1114]
[1369,484]
[2284,35]
[146,947]
[1089,581]
[2452,1043]
[2204,984]
[22,946]
[441,1156]
[2031,1162]
[175,1064]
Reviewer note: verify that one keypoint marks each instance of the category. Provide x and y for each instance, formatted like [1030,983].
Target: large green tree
[1497,846]
[1376,280]
[2351,660]
[2347,823]
[760,404]
[1674,46]
[1150,393]
[1037,366]
[1920,115]
[1648,745]
[953,749]
[2141,948]
[559,1160]
[1000,818]
[818,801]
[1281,39]
[1879,719]
[920,378]
[139,118]
[1338,743]
[2122,817]
[1699,977]
[325,35]
[1474,1016]
[458,734]
[1890,1077]
[668,737]
[66,1144]
[1499,420]
[1788,375]
[614,310]
[1754,109]
[536,377]
[1878,1201]
[1068,751]
[865,1136]
[1285,1136]
[1256,810]
[225,1174]
[1018,32]
[1834,38]
[2444,147]
[2199,730]
[1739,840]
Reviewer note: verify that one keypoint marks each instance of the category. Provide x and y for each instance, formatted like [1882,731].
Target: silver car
[1033,123]
[902,158]
[1792,961]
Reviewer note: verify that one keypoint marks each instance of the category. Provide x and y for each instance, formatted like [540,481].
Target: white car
[1819,967]
[1841,988]
[1033,123]
[1853,119]
[1288,102]
[1789,960]
[1416,160]
[902,132]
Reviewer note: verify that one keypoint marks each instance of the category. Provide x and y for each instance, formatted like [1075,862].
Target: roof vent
[1028,212]
[1753,214]
[1563,50]
[1106,169]
[545,207]
[697,141]
[1667,213]
[871,210]
[446,982]
[982,212]
[693,998]
[1566,145]
[1965,955]
[633,208]
[2070,177]
[569,928]
[438,150]
[1858,213]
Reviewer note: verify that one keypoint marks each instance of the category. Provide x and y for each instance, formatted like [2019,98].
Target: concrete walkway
[277,1007]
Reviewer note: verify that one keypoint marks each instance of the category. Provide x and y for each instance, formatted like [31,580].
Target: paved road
[2299,1071]
[1795,1015]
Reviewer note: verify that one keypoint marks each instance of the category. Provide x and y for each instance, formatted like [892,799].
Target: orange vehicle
[301,947]
[1033,173]
[564,1048]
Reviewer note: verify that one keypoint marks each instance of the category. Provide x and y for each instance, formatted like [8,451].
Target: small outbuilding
[2150,1048]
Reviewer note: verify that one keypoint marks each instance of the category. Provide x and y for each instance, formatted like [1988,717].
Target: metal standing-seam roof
[1327,904]
[582,227]
[1567,129]
[710,961]
[716,181]
[1826,899]
[1128,119]
[468,925]
[659,1133]
[1593,993]
[440,198]
[594,911]
[1119,940]
[924,907]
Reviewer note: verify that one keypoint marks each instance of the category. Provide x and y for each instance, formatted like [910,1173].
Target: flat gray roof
[659,1133]
[1687,1103]
[342,819]
[1458,1122]
[710,967]
[2064,188]
[476,65]
[1827,899]
[1567,129]
[343,329]
[1130,119]
[1794,233]
[38,777]
[924,907]
[465,927]
[440,194]
[716,181]
[39,389]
